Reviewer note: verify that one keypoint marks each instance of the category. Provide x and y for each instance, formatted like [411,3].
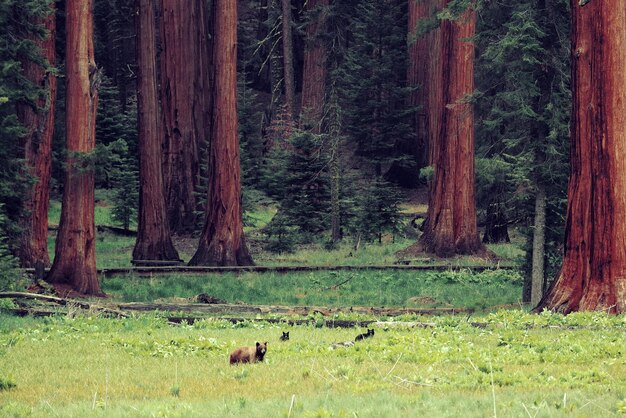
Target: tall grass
[88,366]
[357,288]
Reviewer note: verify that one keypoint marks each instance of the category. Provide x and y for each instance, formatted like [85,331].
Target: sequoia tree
[185,99]
[288,71]
[75,252]
[222,241]
[38,120]
[421,39]
[592,274]
[314,72]
[153,236]
[450,227]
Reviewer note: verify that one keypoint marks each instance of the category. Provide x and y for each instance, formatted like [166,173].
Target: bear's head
[261,349]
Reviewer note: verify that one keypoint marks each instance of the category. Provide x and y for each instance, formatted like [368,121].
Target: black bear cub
[285,336]
[370,333]
[249,354]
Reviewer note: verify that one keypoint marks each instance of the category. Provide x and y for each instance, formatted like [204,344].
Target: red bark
[288,72]
[153,236]
[75,252]
[185,100]
[314,72]
[222,240]
[37,146]
[592,275]
[422,46]
[451,227]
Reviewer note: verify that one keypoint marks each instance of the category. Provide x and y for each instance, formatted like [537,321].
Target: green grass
[360,288]
[102,213]
[89,366]
[111,250]
[115,251]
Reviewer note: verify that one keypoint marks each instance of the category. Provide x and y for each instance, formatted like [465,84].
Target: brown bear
[248,354]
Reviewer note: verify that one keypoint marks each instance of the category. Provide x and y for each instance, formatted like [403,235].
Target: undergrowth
[458,289]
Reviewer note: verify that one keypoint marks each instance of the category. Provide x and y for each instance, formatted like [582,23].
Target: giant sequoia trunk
[153,236]
[450,227]
[592,276]
[314,72]
[222,240]
[185,100]
[290,90]
[37,145]
[421,45]
[75,253]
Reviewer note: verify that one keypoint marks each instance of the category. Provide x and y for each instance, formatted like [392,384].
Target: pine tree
[523,76]
[372,82]
[377,211]
[305,204]
[125,182]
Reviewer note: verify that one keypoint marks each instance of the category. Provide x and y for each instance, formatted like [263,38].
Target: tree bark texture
[288,71]
[153,235]
[222,241]
[592,276]
[314,72]
[37,145]
[75,256]
[421,48]
[450,227]
[185,99]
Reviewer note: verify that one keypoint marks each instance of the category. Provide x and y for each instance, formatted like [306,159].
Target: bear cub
[370,333]
[285,336]
[249,354]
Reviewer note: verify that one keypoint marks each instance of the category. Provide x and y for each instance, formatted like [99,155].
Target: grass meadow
[520,365]
[389,288]
[515,364]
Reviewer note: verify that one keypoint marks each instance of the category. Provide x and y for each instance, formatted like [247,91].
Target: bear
[249,354]
[370,333]
[285,336]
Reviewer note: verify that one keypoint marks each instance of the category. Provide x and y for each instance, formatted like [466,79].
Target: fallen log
[61,301]
[152,270]
[225,308]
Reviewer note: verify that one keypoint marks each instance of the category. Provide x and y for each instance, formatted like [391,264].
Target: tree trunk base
[163,251]
[218,253]
[567,295]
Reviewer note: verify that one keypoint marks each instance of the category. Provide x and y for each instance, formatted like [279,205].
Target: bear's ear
[258,343]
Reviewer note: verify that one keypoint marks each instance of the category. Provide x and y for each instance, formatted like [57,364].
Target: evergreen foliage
[117,165]
[18,29]
[371,81]
[306,201]
[377,211]
[117,168]
[115,121]
[8,263]
[114,42]
[524,107]
[126,188]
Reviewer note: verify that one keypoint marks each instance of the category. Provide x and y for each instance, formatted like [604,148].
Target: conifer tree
[523,76]
[24,72]
[75,253]
[372,82]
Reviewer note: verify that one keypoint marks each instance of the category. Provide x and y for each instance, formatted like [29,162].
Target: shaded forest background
[336,166]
